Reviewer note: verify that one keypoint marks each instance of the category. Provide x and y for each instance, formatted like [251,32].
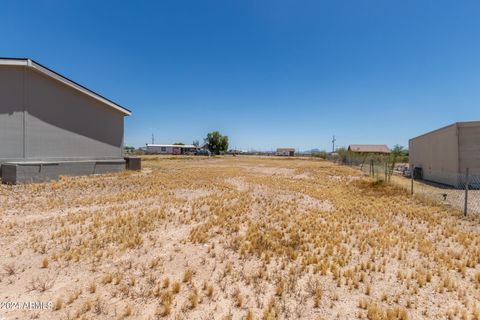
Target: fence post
[466,193]
[411,178]
[386,165]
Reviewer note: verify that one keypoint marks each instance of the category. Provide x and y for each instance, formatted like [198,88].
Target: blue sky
[266,73]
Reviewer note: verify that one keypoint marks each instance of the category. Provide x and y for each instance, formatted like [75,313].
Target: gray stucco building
[51,125]
[444,154]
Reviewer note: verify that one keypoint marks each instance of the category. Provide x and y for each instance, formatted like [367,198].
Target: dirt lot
[233,238]
[445,195]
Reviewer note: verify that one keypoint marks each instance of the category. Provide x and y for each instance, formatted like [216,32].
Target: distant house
[369,148]
[443,155]
[286,152]
[174,149]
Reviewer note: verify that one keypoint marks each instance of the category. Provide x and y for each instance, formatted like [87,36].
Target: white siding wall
[159,150]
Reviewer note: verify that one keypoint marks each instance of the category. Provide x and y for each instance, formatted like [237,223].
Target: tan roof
[369,148]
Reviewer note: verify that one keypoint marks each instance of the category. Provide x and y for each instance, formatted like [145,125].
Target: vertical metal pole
[386,165]
[411,176]
[466,193]
[24,112]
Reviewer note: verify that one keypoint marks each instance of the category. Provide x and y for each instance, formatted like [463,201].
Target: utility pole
[333,144]
[153,139]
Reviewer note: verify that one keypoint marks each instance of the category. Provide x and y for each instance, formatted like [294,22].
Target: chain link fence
[456,190]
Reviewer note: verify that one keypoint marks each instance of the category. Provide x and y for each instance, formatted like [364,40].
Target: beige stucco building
[445,154]
[286,152]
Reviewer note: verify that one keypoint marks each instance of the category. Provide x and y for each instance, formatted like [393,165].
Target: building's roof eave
[455,124]
[369,148]
[55,75]
[173,145]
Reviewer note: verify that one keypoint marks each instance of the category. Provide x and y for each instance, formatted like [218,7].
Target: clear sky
[266,73]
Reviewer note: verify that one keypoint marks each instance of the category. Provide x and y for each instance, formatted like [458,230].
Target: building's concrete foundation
[39,171]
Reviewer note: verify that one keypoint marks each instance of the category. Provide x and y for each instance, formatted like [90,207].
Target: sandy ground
[445,195]
[233,238]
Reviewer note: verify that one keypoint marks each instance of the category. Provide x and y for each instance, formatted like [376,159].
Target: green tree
[196,143]
[399,154]
[179,144]
[129,149]
[342,153]
[216,143]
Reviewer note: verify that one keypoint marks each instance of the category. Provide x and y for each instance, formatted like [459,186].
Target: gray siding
[11,112]
[60,122]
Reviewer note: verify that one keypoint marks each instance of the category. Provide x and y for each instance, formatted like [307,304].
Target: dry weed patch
[236,238]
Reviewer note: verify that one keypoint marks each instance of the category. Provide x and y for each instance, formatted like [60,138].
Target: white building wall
[437,154]
[469,147]
[159,150]
[285,151]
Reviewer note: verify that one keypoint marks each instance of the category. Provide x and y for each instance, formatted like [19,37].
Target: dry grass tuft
[187,276]
[176,287]
[267,238]
[44,263]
